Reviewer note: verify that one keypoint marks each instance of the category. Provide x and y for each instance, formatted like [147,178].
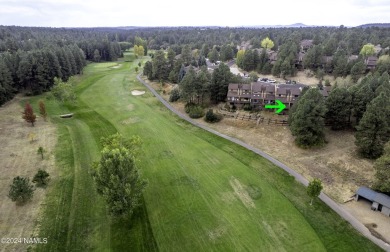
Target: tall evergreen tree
[307,121]
[382,168]
[338,106]
[362,97]
[373,130]
[160,66]
[220,80]
[6,89]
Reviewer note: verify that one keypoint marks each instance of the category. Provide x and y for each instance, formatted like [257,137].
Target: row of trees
[195,86]
[34,71]
[363,105]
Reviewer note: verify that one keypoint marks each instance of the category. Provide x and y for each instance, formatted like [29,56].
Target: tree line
[30,58]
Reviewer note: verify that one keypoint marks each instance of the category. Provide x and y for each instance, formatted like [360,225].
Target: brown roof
[306,43]
[371,61]
[281,90]
[324,93]
[270,89]
[296,91]
[273,56]
[246,87]
[232,94]
[233,86]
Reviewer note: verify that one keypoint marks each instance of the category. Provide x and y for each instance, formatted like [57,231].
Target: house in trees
[379,201]
[371,62]
[272,57]
[299,60]
[306,44]
[257,94]
[378,49]
[352,57]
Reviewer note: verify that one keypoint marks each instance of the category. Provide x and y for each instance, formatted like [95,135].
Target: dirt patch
[19,158]
[217,233]
[131,120]
[241,193]
[117,66]
[137,92]
[377,223]
[130,107]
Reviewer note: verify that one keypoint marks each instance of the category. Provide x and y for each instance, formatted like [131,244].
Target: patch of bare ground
[377,223]
[304,77]
[18,157]
[241,193]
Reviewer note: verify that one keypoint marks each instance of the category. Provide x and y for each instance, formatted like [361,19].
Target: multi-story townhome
[257,94]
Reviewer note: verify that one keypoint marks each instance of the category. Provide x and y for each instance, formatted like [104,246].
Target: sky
[113,13]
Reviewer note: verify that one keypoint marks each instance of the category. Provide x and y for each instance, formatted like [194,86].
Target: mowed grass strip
[75,216]
[198,195]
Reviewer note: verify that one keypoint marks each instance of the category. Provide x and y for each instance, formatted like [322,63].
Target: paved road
[326,199]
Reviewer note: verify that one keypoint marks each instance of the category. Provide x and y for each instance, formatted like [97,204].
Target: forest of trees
[30,58]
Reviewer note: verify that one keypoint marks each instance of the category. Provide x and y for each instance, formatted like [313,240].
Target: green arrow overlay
[280,106]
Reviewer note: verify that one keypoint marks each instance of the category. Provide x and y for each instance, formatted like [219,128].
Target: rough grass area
[18,157]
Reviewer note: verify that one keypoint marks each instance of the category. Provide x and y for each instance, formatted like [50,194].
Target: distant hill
[296,25]
[380,25]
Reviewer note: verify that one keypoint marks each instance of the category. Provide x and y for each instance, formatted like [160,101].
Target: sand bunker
[137,92]
[117,66]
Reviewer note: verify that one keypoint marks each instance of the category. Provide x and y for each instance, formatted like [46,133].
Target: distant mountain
[380,25]
[296,25]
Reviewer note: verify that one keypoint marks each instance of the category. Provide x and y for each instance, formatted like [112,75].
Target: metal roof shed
[366,193]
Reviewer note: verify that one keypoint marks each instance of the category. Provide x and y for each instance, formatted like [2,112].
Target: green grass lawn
[204,194]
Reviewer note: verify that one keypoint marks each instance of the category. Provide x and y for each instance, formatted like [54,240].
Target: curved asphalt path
[325,198]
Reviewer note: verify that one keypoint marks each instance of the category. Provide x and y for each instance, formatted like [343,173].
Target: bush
[175,95]
[21,190]
[211,117]
[41,178]
[247,107]
[194,111]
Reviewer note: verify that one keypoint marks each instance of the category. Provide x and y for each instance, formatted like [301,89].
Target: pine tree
[338,106]
[41,178]
[307,120]
[382,168]
[21,190]
[6,89]
[373,130]
[28,114]
[362,97]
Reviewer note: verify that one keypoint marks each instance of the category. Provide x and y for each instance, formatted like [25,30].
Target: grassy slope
[190,200]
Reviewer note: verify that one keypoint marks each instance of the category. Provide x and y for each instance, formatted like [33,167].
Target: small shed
[380,201]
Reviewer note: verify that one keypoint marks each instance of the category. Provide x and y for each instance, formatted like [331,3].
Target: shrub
[194,111]
[247,107]
[21,190]
[211,117]
[175,95]
[41,178]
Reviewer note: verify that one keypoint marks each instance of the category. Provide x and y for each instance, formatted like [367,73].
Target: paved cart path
[325,198]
